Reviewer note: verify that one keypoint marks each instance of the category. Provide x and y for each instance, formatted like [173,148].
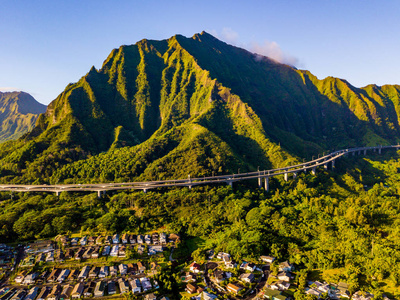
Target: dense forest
[347,220]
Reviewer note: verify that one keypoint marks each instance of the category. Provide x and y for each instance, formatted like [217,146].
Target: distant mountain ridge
[163,109]
[18,114]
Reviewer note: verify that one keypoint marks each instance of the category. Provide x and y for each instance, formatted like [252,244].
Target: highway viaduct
[262,176]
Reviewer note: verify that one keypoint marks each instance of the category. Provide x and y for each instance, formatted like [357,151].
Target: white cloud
[9,89]
[229,35]
[267,48]
[274,51]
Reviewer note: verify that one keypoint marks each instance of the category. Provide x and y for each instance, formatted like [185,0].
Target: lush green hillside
[18,114]
[162,109]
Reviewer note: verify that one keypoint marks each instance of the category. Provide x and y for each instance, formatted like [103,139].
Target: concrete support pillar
[259,182]
[359,152]
[98,194]
[294,175]
[380,150]
[354,153]
[286,176]
[190,187]
[365,152]
[326,166]
[230,183]
[314,171]
[266,183]
[333,164]
[58,193]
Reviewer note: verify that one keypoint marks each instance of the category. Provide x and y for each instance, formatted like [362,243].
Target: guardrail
[101,188]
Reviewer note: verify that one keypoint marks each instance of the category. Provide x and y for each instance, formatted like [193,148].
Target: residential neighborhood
[118,265]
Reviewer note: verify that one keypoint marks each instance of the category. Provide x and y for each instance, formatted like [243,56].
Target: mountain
[18,114]
[198,106]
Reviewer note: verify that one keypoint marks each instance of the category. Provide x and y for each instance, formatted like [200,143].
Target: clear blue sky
[47,44]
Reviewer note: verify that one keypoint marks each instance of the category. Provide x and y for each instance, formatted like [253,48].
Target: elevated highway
[262,176]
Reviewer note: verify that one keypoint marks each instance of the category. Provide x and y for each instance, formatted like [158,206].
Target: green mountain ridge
[18,114]
[198,106]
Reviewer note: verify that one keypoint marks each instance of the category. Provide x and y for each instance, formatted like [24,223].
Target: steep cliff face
[161,109]
[18,114]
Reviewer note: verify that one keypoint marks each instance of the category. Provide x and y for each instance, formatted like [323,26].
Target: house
[108,240]
[55,293]
[125,238]
[88,253]
[163,238]
[147,239]
[43,293]
[234,288]
[251,267]
[191,288]
[123,269]
[74,241]
[95,253]
[54,275]
[267,259]
[286,266]
[113,271]
[189,277]
[132,268]
[247,277]
[84,272]
[33,292]
[136,285]
[132,239]
[79,253]
[221,255]
[19,295]
[155,238]
[140,249]
[63,275]
[150,296]
[19,278]
[41,257]
[123,286]
[30,279]
[69,253]
[94,272]
[89,290]
[104,271]
[146,284]
[99,240]
[59,254]
[141,267]
[50,256]
[140,239]
[99,289]
[283,285]
[122,251]
[284,276]
[91,240]
[114,251]
[115,238]
[106,251]
[83,241]
[219,275]
[77,291]
[73,275]
[362,296]
[111,289]
[194,267]
[66,292]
